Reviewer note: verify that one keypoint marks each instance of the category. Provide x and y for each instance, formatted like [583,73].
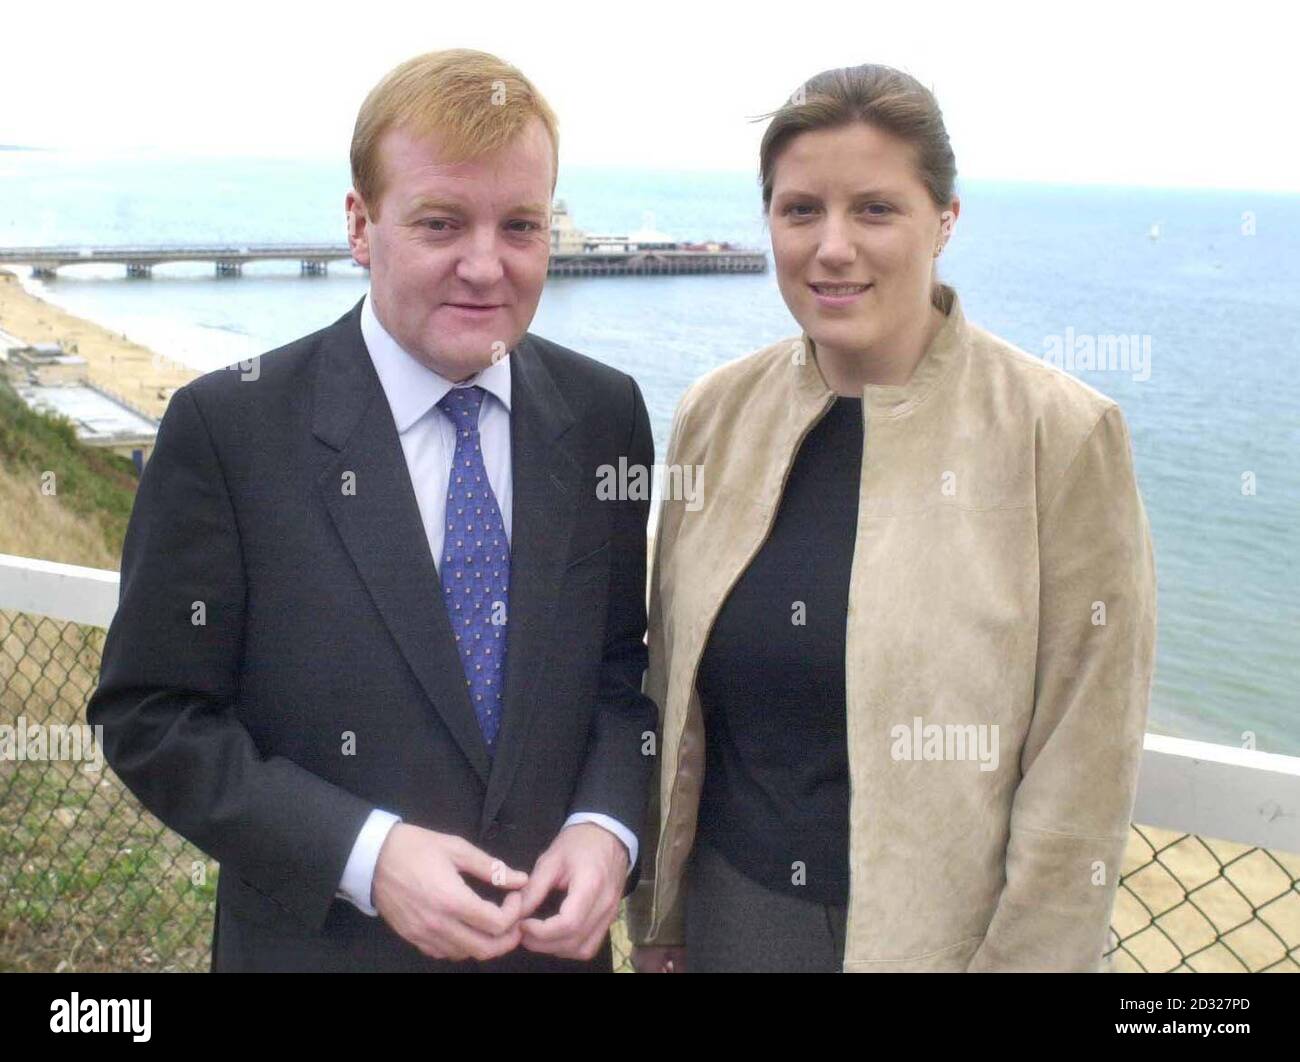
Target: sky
[1135,93]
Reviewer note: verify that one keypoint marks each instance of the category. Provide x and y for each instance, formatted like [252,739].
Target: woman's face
[854,233]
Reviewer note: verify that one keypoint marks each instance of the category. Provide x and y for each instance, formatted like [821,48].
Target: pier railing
[89,880]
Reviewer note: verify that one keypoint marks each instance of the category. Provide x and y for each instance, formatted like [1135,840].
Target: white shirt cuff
[613,826]
[359,874]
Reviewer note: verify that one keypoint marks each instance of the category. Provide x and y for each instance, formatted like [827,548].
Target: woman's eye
[878,210]
[800,210]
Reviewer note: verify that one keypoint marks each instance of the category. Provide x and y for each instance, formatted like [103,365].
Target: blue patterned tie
[476,565]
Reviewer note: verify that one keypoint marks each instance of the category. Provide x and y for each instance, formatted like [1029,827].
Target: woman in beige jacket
[903,649]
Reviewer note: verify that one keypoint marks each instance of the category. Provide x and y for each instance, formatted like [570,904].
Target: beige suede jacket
[1003,592]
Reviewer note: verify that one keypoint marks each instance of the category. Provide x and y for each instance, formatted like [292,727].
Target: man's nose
[480,264]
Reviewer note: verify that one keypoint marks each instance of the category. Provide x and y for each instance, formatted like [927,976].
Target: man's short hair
[474,101]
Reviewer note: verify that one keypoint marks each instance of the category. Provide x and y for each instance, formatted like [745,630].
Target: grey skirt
[736,925]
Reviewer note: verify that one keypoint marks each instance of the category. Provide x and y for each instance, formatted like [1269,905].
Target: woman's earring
[945,220]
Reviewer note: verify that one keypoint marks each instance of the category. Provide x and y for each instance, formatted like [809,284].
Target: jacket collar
[948,347]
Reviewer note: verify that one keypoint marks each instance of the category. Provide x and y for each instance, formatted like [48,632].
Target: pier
[314,259]
[228,260]
[656,263]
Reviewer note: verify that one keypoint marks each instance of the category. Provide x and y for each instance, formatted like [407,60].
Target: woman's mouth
[833,295]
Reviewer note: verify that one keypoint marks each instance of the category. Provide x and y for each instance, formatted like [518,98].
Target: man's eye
[878,210]
[436,224]
[528,226]
[798,209]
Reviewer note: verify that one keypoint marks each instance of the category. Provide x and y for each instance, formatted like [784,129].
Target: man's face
[458,254]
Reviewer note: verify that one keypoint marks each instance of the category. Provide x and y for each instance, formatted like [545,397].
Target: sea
[1204,286]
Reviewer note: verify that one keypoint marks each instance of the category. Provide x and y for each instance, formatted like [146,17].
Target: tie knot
[462,404]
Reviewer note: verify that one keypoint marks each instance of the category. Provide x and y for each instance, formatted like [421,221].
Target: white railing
[65,592]
[1192,787]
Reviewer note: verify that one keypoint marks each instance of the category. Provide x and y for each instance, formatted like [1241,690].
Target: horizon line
[1055,182]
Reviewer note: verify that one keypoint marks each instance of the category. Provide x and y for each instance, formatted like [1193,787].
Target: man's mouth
[478,307]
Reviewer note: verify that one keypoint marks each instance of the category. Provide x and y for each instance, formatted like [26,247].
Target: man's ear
[358,228]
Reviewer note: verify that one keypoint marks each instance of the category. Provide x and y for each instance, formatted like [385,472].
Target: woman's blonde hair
[474,101]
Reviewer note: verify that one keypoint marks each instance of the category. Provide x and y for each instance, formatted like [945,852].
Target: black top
[771,682]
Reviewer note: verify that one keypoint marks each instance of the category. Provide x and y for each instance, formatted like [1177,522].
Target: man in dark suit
[379,643]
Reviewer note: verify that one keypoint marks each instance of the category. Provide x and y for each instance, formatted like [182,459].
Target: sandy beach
[113,361]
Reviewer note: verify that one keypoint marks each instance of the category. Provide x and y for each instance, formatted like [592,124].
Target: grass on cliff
[62,500]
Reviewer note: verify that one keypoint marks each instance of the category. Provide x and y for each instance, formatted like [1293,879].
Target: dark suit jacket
[281,661]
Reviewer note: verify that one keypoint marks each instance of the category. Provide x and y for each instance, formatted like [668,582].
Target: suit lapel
[547,480]
[381,528]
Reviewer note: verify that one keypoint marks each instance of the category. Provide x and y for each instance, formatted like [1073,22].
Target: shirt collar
[411,387]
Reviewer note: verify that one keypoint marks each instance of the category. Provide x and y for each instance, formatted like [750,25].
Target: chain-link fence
[89,880]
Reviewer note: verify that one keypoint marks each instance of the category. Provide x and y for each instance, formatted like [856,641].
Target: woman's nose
[835,248]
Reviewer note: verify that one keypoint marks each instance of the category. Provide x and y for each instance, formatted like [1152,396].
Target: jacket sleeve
[1079,763]
[640,904]
[616,769]
[169,688]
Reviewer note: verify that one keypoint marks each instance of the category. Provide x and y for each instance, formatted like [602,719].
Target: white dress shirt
[428,440]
